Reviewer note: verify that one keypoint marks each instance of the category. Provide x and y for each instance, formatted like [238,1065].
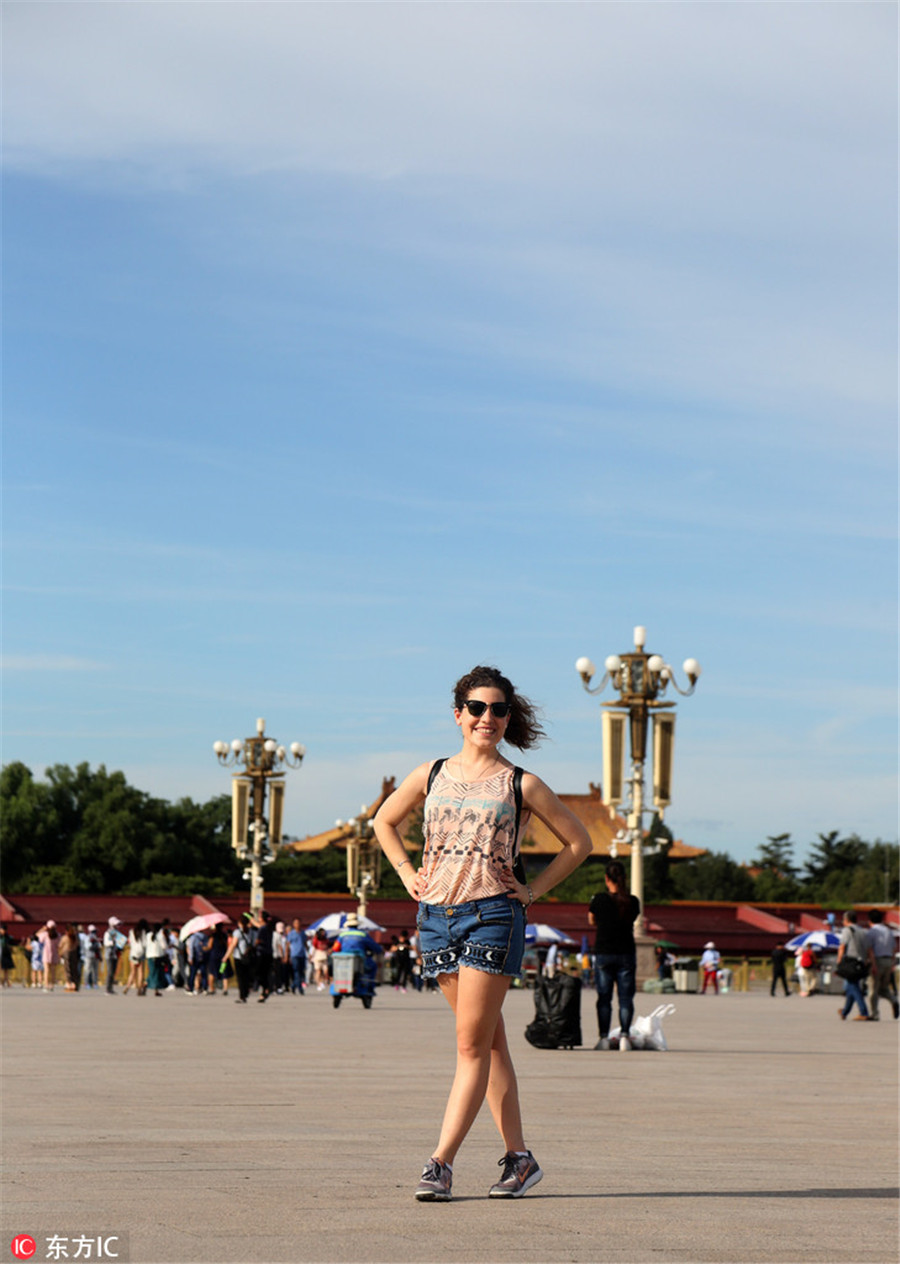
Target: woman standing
[70,954]
[137,955]
[49,937]
[402,962]
[471,921]
[218,946]
[240,951]
[320,960]
[613,912]
[36,948]
[157,947]
[7,961]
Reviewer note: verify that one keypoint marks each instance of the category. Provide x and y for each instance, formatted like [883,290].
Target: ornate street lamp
[264,763]
[641,680]
[363,858]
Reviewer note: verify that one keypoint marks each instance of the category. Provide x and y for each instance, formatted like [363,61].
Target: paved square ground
[203,1130]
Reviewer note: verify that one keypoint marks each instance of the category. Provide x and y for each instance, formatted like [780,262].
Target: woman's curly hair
[524,730]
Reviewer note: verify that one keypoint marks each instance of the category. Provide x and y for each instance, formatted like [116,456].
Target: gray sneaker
[434,1187]
[520,1172]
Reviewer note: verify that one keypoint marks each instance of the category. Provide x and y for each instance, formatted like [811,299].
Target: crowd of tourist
[259,955]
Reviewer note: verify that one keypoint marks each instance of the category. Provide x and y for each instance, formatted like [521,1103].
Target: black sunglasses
[476,708]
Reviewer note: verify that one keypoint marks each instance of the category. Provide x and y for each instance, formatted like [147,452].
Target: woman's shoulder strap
[518,774]
[518,865]
[435,769]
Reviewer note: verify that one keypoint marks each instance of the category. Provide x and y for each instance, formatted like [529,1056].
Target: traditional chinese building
[604,825]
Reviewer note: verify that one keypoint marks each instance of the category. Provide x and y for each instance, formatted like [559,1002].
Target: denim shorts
[486,935]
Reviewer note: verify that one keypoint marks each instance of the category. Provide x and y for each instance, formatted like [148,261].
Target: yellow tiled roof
[601,822]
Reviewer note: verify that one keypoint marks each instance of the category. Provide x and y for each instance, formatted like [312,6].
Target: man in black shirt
[780,955]
[265,929]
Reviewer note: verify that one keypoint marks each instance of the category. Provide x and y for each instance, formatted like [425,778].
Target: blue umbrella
[332,924]
[541,933]
[814,939]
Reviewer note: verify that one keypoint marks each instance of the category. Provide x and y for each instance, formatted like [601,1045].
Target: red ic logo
[23,1246]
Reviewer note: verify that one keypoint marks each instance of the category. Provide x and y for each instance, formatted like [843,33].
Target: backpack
[518,867]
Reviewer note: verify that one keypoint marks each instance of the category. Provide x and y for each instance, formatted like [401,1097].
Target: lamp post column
[635,830]
[641,680]
[263,762]
[363,859]
[256,856]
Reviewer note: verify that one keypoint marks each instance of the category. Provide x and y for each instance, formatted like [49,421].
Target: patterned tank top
[469,843]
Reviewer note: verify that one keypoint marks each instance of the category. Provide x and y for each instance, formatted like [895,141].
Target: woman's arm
[539,799]
[391,815]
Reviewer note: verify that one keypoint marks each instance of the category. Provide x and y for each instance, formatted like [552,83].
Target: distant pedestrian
[91,950]
[320,959]
[297,957]
[218,948]
[855,954]
[280,958]
[36,950]
[240,952]
[882,942]
[70,955]
[49,937]
[807,969]
[709,964]
[137,956]
[402,961]
[613,913]
[196,950]
[7,962]
[265,932]
[113,943]
[780,957]
[157,952]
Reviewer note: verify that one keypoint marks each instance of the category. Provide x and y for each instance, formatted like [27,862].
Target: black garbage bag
[557,1013]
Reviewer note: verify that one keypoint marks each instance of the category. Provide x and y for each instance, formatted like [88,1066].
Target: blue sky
[347,346]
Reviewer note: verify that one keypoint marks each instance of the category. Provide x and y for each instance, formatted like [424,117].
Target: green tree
[30,829]
[658,884]
[714,876]
[324,870]
[845,871]
[832,856]
[776,881]
[84,830]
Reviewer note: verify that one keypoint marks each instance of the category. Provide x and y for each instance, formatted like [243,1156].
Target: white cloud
[471,90]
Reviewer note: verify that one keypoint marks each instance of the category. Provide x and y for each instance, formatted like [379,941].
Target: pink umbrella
[203,921]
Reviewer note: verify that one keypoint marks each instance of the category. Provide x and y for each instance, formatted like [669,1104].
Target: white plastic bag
[646,1030]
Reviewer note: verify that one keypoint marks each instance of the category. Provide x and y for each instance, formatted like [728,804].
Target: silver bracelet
[530,895]
[397,868]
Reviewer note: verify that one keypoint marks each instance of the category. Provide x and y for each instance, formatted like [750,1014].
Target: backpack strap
[518,863]
[435,769]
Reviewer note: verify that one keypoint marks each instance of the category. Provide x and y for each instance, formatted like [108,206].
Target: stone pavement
[202,1130]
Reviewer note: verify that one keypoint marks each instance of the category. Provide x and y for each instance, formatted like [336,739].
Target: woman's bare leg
[483,1064]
